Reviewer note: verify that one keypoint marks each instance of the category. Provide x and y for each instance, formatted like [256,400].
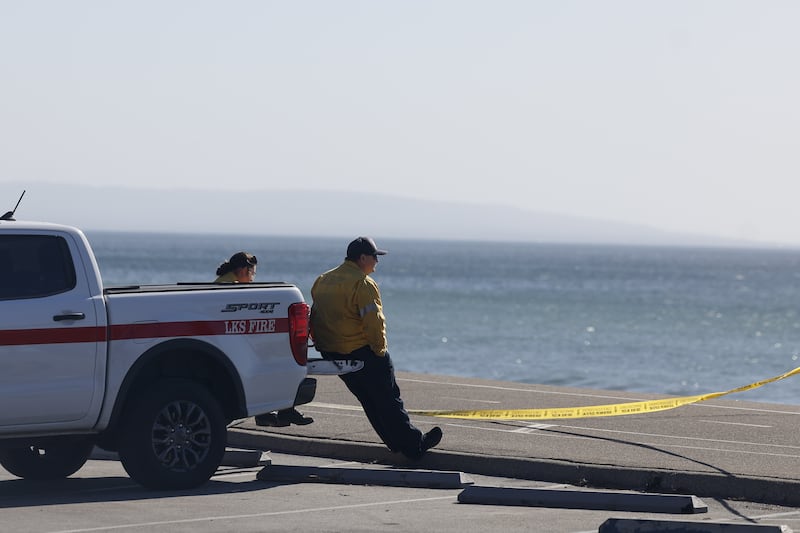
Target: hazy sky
[683,115]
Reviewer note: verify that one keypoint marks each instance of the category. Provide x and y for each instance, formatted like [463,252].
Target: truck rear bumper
[306,391]
[333,367]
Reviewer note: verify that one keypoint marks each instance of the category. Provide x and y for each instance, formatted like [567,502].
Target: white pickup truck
[153,372]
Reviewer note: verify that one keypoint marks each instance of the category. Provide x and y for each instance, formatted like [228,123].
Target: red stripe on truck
[19,337]
[152,330]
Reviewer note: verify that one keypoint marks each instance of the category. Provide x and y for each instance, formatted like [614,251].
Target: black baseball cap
[363,245]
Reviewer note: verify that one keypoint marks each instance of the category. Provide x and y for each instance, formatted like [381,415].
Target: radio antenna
[10,214]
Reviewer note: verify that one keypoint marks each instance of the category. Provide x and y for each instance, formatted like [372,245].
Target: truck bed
[193,286]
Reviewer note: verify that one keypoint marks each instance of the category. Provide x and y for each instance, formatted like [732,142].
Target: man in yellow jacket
[347,322]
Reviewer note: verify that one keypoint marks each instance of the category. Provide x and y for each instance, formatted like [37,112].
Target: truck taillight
[298,331]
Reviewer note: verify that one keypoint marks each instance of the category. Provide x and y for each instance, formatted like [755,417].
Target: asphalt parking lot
[100,497]
[723,448]
[738,459]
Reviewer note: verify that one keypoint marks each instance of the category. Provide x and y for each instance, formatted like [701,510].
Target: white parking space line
[336,406]
[238,473]
[254,515]
[471,400]
[735,424]
[512,389]
[683,438]
[533,427]
[772,516]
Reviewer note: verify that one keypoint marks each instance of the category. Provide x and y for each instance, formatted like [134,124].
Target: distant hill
[318,213]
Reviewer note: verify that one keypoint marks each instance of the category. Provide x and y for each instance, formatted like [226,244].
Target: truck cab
[52,352]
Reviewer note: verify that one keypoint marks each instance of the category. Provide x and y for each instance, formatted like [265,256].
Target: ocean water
[678,321]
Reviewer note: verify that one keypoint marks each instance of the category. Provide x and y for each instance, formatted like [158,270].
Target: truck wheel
[55,460]
[174,436]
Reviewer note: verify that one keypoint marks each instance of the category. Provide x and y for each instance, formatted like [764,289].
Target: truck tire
[55,460]
[173,435]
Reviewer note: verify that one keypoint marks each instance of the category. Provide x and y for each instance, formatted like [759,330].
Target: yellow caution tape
[617,409]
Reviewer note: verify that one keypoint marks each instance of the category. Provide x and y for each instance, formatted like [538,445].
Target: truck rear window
[33,266]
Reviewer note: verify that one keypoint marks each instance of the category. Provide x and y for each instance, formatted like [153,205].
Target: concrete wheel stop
[624,525]
[583,499]
[365,476]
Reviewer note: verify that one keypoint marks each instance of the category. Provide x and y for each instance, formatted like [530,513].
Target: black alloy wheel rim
[181,436]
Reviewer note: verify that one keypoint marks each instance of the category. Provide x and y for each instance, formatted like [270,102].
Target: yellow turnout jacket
[347,312]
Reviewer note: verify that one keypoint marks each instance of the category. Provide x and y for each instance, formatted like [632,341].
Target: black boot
[293,416]
[429,440]
[270,420]
[283,418]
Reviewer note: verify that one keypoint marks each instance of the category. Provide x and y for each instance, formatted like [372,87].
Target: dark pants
[376,389]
